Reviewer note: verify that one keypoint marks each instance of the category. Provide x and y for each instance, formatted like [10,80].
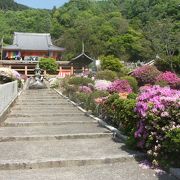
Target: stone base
[36,84]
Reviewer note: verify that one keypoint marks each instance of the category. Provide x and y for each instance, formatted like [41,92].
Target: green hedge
[80,81]
[121,113]
[106,75]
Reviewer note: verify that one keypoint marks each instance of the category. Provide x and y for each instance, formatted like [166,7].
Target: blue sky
[48,4]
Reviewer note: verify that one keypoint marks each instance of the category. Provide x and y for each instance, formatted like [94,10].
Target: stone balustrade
[8,93]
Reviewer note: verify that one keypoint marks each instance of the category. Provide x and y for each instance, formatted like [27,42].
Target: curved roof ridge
[83,53]
[33,41]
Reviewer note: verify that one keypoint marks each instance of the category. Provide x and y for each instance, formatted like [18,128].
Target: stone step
[44,105]
[48,119]
[42,108]
[54,137]
[40,97]
[111,171]
[23,95]
[45,111]
[51,132]
[52,103]
[34,98]
[38,90]
[38,93]
[43,123]
[46,114]
[41,100]
[62,153]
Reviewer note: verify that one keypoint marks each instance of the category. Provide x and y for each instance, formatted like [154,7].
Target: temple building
[31,46]
[28,48]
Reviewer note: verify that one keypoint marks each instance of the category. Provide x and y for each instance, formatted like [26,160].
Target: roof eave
[82,55]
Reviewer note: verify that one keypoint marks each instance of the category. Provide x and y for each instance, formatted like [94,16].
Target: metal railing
[8,93]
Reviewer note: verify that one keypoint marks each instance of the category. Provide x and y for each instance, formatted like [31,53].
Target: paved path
[46,138]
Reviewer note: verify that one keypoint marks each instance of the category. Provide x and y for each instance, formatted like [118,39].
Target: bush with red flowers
[168,78]
[120,86]
[146,74]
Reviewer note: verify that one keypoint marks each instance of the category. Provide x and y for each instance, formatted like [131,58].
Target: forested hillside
[131,30]
[102,28]
[30,20]
[11,5]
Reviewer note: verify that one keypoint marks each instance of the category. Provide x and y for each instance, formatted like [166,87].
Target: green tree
[48,64]
[11,5]
[165,39]
[110,62]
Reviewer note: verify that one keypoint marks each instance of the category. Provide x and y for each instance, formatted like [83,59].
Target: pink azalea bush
[168,78]
[85,89]
[100,100]
[102,85]
[146,74]
[158,110]
[15,75]
[120,86]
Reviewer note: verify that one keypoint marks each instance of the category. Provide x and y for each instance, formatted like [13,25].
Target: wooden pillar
[60,68]
[83,69]
[26,70]
[72,70]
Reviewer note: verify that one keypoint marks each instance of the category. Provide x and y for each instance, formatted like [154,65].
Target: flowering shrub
[168,78]
[146,74]
[132,81]
[100,100]
[102,85]
[120,86]
[96,98]
[171,146]
[15,75]
[9,74]
[106,75]
[158,109]
[80,81]
[54,82]
[81,98]
[120,112]
[85,89]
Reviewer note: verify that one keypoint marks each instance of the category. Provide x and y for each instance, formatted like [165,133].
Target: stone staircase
[45,137]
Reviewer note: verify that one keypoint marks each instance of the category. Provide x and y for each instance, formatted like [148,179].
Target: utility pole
[1,48]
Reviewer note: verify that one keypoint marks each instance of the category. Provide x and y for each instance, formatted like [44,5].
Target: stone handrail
[8,92]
